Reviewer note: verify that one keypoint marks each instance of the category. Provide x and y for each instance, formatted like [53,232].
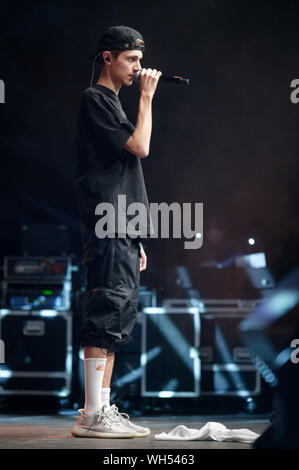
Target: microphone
[167,79]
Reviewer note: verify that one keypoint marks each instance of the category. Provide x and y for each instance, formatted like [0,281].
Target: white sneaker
[124,419]
[103,424]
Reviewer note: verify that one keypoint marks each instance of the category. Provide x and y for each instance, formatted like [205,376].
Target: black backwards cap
[118,38]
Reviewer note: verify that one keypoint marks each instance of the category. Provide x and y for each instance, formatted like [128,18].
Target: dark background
[228,140]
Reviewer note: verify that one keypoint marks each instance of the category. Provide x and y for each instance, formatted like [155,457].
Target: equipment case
[38,352]
[193,347]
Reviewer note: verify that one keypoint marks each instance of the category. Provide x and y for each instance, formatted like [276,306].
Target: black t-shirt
[104,169]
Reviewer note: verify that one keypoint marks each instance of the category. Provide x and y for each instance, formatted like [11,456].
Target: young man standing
[109,149]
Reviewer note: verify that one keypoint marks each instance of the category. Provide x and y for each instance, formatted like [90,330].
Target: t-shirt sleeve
[106,123]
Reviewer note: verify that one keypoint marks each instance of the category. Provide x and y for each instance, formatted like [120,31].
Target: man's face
[123,68]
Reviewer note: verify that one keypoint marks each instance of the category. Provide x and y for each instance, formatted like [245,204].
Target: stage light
[250,404]
[152,310]
[130,377]
[145,358]
[5,373]
[4,311]
[48,313]
[251,241]
[81,354]
[165,394]
[69,360]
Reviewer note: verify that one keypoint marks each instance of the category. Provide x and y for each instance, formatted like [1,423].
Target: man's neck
[106,81]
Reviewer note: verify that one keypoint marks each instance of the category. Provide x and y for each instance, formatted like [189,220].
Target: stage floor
[52,431]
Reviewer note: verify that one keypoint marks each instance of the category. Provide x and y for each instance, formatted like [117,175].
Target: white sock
[105,396]
[94,374]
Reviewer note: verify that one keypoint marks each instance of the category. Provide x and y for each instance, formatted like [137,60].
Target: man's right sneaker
[125,419]
[103,424]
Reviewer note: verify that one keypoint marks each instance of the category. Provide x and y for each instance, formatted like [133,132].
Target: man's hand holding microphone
[139,142]
[148,81]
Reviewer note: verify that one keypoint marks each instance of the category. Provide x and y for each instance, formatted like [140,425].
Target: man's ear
[107,57]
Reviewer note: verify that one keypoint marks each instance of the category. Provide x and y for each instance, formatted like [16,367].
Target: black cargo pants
[113,283]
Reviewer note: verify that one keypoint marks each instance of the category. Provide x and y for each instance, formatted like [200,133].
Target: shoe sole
[79,431]
[143,435]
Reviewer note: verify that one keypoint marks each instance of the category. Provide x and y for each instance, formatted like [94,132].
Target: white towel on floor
[210,431]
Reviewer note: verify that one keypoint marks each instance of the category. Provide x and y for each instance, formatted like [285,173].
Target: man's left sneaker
[125,419]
